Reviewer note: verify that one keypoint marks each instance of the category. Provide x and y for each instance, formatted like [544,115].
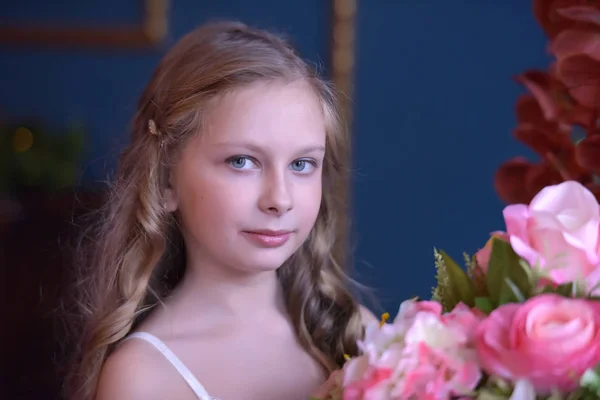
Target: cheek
[208,202]
[309,201]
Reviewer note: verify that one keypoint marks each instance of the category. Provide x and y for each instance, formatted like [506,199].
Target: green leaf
[460,285]
[570,289]
[486,394]
[556,396]
[580,289]
[441,293]
[495,273]
[484,304]
[547,289]
[566,289]
[507,278]
[591,380]
[511,293]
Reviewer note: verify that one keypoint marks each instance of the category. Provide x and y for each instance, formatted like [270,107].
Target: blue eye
[241,162]
[302,165]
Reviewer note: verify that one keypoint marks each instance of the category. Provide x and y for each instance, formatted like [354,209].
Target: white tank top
[185,373]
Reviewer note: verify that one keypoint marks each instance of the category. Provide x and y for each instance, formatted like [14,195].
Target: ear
[170,200]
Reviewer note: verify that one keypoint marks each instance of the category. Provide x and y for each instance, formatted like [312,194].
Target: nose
[276,197]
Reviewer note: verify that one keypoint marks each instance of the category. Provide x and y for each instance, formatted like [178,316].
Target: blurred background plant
[36,161]
[36,158]
[558,117]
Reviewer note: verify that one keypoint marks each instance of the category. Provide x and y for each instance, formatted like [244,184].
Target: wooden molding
[342,70]
[344,16]
[149,33]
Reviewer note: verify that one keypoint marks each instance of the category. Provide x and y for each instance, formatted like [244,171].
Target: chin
[263,261]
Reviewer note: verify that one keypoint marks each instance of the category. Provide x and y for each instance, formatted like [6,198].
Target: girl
[218,264]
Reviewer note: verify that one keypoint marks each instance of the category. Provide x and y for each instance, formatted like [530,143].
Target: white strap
[191,380]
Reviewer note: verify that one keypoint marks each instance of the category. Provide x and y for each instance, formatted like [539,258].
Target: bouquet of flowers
[521,322]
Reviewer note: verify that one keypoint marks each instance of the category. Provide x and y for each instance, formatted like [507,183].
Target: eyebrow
[258,149]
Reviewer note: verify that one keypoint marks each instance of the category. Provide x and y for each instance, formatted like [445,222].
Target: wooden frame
[342,52]
[342,71]
[149,33]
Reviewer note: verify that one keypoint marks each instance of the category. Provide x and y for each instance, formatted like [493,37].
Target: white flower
[432,331]
[523,391]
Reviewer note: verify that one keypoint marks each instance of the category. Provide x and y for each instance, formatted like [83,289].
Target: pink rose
[549,341]
[558,232]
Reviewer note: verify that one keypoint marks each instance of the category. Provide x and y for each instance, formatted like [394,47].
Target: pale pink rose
[355,369]
[439,359]
[439,375]
[363,381]
[549,340]
[558,232]
[482,257]
[421,355]
[374,386]
[410,310]
[464,317]
[377,339]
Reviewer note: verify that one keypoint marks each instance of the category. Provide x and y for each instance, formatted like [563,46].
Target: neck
[214,289]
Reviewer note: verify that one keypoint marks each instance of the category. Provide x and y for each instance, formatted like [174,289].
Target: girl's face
[248,189]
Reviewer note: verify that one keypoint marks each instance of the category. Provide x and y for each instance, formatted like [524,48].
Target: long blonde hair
[136,250]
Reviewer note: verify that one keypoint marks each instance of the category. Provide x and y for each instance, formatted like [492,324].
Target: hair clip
[152,127]
[154,131]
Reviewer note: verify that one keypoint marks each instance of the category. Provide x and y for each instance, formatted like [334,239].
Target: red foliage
[563,98]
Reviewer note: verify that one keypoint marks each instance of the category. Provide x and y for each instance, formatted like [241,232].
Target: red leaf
[541,175]
[581,75]
[565,163]
[554,101]
[509,181]
[587,153]
[574,42]
[519,180]
[529,113]
[555,16]
[584,13]
[528,110]
[581,115]
[545,89]
[595,189]
[541,141]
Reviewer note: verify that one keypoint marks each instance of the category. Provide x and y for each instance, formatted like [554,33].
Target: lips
[268,238]
[269,232]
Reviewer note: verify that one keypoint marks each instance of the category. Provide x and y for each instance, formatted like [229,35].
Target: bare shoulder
[134,371]
[367,315]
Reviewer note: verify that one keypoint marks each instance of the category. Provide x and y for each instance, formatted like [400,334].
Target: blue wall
[434,114]
[434,109]
[100,87]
